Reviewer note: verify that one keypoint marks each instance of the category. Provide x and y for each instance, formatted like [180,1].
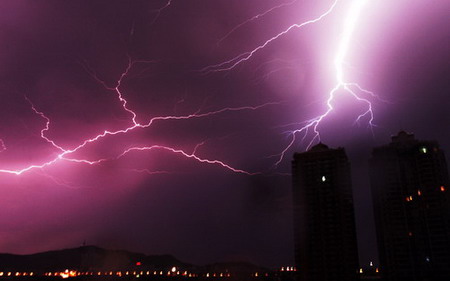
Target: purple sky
[63,55]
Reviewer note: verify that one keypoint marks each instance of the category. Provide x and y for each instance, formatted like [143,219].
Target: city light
[68,273]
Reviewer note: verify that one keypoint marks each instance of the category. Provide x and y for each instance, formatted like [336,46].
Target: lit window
[419,192]
[423,150]
[324,178]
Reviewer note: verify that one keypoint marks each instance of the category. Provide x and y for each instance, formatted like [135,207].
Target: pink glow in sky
[107,124]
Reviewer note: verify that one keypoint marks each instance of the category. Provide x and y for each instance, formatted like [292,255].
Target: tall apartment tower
[410,190]
[324,224]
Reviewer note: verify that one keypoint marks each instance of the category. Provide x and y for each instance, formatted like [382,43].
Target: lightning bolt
[285,65]
[232,63]
[253,19]
[58,181]
[2,145]
[65,153]
[341,85]
[160,10]
[347,87]
[149,172]
[308,127]
[187,155]
[47,126]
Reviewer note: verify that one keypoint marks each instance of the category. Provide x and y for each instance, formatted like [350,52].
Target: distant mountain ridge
[87,258]
[94,259]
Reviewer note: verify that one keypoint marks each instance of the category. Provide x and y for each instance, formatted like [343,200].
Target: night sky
[206,188]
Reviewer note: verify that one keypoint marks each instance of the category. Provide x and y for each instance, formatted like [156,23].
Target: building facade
[410,191]
[324,224]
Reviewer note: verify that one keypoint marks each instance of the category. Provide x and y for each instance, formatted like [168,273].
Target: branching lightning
[349,88]
[65,153]
[232,63]
[149,172]
[309,129]
[253,19]
[160,10]
[46,128]
[187,155]
[2,146]
[353,89]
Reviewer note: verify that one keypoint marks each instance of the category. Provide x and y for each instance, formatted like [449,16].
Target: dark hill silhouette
[87,258]
[94,259]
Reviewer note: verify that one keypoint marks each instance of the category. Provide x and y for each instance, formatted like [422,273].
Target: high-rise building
[324,224]
[409,181]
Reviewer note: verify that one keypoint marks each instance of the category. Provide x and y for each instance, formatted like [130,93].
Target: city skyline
[198,174]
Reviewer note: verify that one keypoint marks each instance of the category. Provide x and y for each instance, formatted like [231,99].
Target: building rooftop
[319,147]
[403,136]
